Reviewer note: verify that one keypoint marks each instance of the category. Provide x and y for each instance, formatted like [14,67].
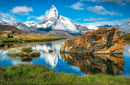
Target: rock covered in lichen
[23,51]
[103,40]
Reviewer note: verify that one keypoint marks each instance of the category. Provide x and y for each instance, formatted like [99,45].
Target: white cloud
[17,62]
[120,2]
[28,18]
[101,10]
[21,9]
[97,9]
[7,16]
[40,18]
[77,6]
[78,19]
[93,19]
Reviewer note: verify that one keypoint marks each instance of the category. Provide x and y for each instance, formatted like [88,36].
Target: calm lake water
[70,63]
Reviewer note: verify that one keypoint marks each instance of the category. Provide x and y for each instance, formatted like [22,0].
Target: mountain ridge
[52,21]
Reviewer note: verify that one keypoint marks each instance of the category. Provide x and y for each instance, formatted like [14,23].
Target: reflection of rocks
[105,64]
[9,45]
[20,51]
[103,40]
[22,58]
[50,51]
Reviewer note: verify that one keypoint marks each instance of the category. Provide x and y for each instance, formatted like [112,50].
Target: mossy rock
[29,49]
[23,51]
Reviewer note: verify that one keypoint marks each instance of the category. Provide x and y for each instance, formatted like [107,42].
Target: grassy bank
[39,74]
[30,38]
[127,36]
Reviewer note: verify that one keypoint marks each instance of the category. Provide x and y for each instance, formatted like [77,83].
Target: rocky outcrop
[94,64]
[5,35]
[23,51]
[104,40]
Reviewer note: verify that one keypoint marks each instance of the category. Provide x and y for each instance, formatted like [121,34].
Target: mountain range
[125,27]
[54,24]
[57,25]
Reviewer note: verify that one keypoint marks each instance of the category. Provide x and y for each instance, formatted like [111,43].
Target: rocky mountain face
[52,21]
[104,40]
[60,33]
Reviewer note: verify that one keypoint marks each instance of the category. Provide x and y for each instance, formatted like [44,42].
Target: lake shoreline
[40,74]
[30,40]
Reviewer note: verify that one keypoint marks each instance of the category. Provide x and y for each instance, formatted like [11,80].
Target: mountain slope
[10,28]
[125,27]
[60,33]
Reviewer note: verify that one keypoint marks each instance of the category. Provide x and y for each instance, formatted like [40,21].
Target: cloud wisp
[77,6]
[21,9]
[101,10]
[119,2]
[93,19]
[7,16]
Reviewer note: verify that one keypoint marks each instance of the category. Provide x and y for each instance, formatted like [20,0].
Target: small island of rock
[23,51]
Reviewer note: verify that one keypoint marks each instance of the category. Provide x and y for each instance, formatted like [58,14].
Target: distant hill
[10,28]
[60,33]
[127,36]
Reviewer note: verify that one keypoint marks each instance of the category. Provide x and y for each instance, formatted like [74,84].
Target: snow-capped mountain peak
[51,15]
[64,23]
[5,22]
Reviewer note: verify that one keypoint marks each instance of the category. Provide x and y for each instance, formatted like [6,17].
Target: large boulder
[5,35]
[16,37]
[23,51]
[104,40]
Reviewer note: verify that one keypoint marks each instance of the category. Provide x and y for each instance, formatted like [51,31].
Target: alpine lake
[79,64]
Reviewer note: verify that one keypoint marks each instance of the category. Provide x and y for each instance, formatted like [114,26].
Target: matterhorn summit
[57,22]
[51,15]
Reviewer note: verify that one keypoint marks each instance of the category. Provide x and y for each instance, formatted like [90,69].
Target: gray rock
[16,37]
[34,53]
[18,51]
[50,51]
[62,47]
[5,35]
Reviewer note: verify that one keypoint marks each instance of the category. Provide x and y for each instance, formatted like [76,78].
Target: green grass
[29,40]
[39,75]
[29,49]
[127,36]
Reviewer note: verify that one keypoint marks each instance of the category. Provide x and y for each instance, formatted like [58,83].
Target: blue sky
[80,11]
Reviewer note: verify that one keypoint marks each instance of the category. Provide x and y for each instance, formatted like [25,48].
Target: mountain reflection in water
[105,64]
